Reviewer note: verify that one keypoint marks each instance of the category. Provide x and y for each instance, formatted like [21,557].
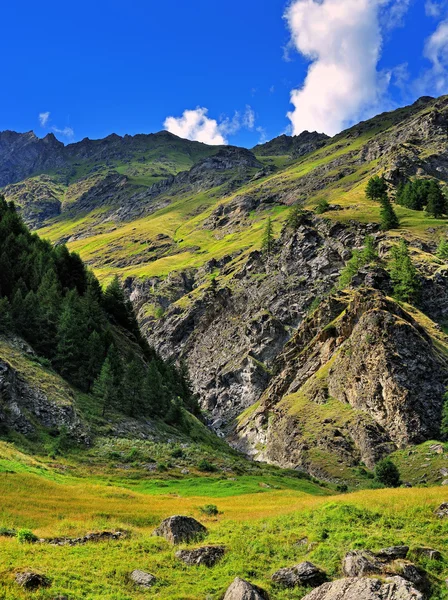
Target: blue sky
[90,68]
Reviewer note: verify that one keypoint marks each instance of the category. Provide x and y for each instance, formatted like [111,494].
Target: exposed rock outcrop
[364,352]
[303,574]
[32,581]
[142,579]
[240,589]
[26,404]
[363,588]
[207,555]
[179,529]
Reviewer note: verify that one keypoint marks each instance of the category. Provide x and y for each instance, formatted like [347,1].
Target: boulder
[392,553]
[413,574]
[428,553]
[207,555]
[180,529]
[240,589]
[32,581]
[442,511]
[360,562]
[363,588]
[305,574]
[142,579]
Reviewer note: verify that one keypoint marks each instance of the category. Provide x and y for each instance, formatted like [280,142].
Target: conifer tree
[403,274]
[295,216]
[442,249]
[389,219]
[104,388]
[436,203]
[267,242]
[376,188]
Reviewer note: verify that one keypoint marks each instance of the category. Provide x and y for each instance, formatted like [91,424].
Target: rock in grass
[442,511]
[180,529]
[207,555]
[240,589]
[415,575]
[428,553]
[392,553]
[32,581]
[305,574]
[142,579]
[364,588]
[360,562]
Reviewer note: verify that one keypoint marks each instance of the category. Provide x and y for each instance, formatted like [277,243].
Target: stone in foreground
[442,511]
[363,588]
[305,574]
[178,529]
[240,589]
[207,555]
[142,579]
[392,553]
[32,581]
[360,562]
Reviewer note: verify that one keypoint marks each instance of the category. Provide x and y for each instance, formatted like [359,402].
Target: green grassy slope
[127,248]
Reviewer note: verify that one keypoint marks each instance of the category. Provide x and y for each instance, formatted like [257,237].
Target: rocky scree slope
[230,333]
[360,378]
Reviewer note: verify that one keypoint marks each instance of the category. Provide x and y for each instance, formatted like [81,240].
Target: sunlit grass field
[260,530]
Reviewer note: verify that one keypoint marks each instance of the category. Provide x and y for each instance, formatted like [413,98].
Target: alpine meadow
[224,341]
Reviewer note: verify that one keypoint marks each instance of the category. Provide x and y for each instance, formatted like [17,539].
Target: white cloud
[434,8]
[66,131]
[435,80]
[342,39]
[43,118]
[249,117]
[196,125]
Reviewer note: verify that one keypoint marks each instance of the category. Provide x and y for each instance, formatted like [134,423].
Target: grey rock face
[102,536]
[143,579]
[363,588]
[305,574]
[231,336]
[428,553]
[240,589]
[442,511]
[392,553]
[23,402]
[32,581]
[369,354]
[179,529]
[360,562]
[207,555]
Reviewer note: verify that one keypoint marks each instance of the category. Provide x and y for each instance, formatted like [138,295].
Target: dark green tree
[436,203]
[389,219]
[133,388]
[267,242]
[295,216]
[387,473]
[5,316]
[403,274]
[376,188]
[104,388]
[442,249]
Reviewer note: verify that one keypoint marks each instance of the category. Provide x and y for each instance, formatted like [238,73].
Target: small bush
[177,453]
[387,473]
[162,467]
[6,532]
[322,207]
[211,510]
[26,536]
[342,488]
[206,466]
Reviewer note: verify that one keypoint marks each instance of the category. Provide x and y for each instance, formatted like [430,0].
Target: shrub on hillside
[211,510]
[387,473]
[26,536]
[206,466]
